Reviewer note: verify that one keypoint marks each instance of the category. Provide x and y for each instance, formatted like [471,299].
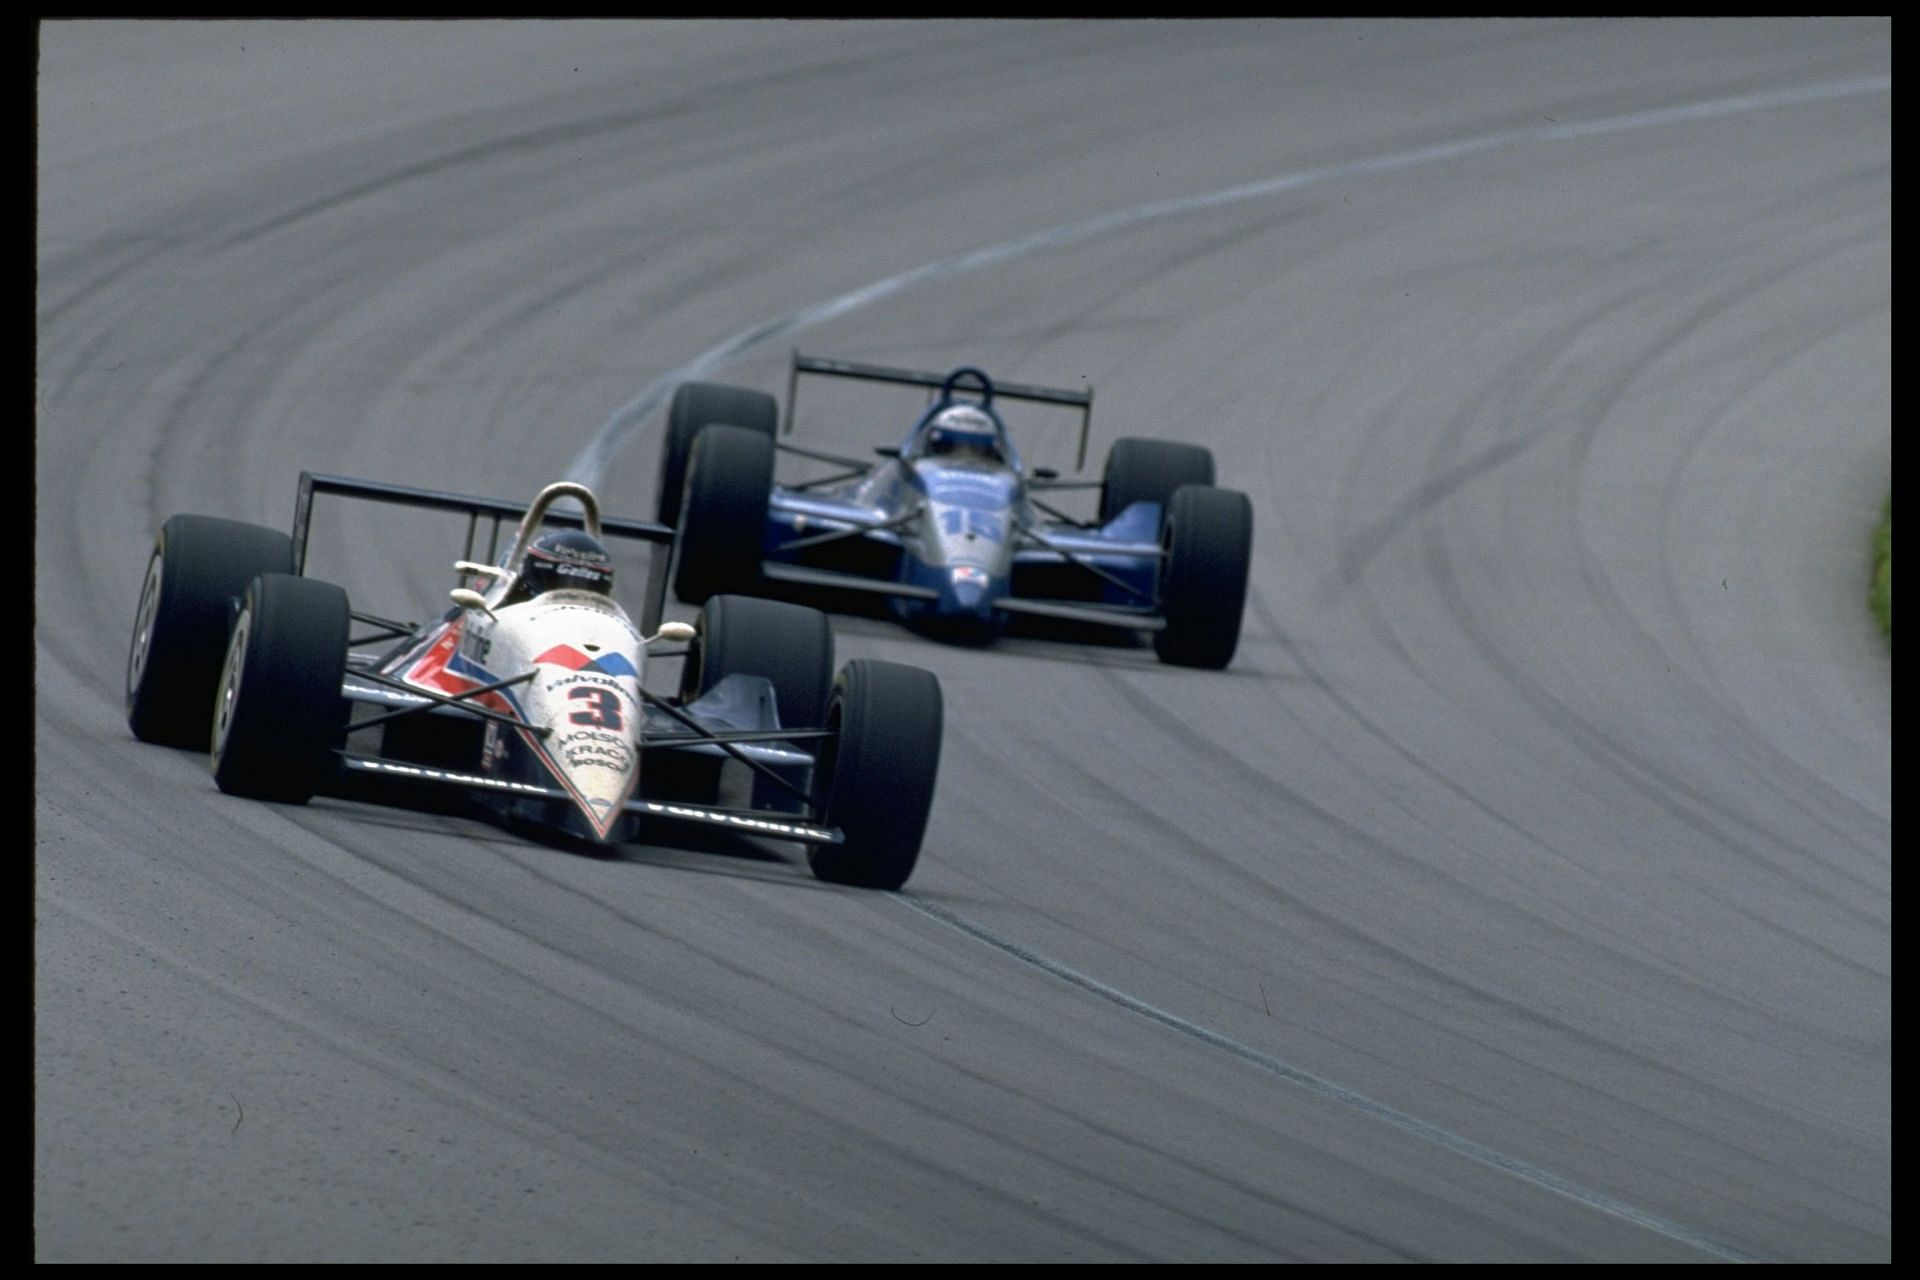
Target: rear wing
[493,511]
[1081,400]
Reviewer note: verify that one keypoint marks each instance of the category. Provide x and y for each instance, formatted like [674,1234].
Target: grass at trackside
[1881,594]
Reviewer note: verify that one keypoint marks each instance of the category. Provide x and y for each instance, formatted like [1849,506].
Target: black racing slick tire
[878,773]
[1207,542]
[279,714]
[700,404]
[789,644]
[1141,470]
[723,515]
[199,567]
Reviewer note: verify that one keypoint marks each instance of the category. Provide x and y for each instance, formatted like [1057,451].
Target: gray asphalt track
[1523,891]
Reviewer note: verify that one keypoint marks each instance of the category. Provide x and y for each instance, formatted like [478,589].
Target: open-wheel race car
[950,525]
[528,695]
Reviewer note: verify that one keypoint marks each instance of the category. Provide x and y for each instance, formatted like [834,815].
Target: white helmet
[963,429]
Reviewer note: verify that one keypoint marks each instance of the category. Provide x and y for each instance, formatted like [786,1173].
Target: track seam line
[590,464]
[1337,1093]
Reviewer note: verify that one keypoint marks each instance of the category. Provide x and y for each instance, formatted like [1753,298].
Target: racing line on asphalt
[590,464]
[1331,1092]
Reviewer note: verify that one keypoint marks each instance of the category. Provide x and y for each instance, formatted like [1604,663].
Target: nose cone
[968,592]
[584,698]
[599,770]
[967,597]
[965,613]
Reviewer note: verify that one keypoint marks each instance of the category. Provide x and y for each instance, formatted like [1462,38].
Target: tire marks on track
[590,465]
[1328,1091]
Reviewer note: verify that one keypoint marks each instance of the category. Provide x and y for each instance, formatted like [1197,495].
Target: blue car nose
[967,596]
[967,589]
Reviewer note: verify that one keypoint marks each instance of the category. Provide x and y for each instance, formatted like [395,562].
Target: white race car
[529,694]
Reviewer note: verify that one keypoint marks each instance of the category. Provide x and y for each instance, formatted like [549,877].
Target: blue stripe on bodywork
[612,664]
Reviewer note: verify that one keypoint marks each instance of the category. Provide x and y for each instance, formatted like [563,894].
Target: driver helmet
[567,559]
[963,429]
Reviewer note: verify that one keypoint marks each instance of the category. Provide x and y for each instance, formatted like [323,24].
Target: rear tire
[723,518]
[791,645]
[1207,537]
[199,565]
[696,405]
[280,713]
[1141,470]
[879,773]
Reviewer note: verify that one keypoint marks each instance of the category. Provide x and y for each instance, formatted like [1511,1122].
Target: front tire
[723,519]
[279,712]
[1207,539]
[1142,470]
[199,565]
[791,645]
[879,773]
[697,405]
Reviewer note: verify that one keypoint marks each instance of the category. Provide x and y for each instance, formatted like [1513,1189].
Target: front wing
[744,822]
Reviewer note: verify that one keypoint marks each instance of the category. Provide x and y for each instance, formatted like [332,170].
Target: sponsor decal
[570,559]
[565,655]
[602,748]
[600,681]
[446,668]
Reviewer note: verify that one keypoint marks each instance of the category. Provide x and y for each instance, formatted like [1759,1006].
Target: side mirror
[493,571]
[673,631]
[468,599]
[1045,473]
[887,450]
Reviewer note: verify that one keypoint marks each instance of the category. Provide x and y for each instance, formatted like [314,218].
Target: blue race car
[948,525]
